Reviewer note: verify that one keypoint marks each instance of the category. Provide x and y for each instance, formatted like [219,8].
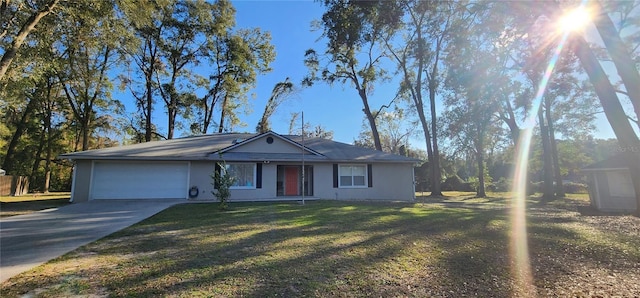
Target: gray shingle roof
[206,147]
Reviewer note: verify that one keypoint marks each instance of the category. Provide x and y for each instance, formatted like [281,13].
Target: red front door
[291,181]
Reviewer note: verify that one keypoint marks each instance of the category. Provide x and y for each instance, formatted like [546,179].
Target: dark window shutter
[335,175]
[370,174]
[216,172]
[258,175]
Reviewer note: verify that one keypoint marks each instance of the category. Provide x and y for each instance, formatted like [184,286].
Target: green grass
[343,249]
[20,205]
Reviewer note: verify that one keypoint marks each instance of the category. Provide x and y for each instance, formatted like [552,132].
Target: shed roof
[208,147]
[616,162]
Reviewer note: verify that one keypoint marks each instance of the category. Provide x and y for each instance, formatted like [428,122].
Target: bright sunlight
[574,20]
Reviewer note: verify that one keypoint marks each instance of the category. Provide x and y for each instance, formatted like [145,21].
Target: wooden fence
[13,185]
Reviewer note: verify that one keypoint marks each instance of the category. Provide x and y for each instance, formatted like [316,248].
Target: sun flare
[574,20]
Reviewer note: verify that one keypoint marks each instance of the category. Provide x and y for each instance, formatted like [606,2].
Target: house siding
[604,198]
[260,145]
[390,182]
[82,183]
[201,178]
[393,182]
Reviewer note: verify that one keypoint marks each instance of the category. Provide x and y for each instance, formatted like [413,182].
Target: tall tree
[182,45]
[530,40]
[86,53]
[18,20]
[235,59]
[395,131]
[248,52]
[619,53]
[604,89]
[428,28]
[611,104]
[142,51]
[281,91]
[354,30]
[476,76]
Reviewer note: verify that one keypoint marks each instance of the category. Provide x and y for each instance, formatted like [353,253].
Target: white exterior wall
[611,190]
[621,195]
[200,177]
[392,182]
[261,146]
[201,172]
[81,185]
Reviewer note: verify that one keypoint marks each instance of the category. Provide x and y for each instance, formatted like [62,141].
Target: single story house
[610,186]
[266,167]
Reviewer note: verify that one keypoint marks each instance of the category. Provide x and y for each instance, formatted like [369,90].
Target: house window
[353,176]
[244,175]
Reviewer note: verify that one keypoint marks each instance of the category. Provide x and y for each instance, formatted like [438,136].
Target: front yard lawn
[346,249]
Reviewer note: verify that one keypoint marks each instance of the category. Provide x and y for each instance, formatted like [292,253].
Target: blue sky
[337,108]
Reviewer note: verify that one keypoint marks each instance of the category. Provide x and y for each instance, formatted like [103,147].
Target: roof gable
[269,143]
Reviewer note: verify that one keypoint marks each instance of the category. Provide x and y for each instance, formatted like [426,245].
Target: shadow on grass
[321,249]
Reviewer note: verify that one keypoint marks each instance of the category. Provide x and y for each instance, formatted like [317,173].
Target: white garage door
[139,180]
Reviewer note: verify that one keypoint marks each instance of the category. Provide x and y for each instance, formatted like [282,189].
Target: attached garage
[139,180]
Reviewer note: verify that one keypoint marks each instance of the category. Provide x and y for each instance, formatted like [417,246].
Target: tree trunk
[480,192]
[436,190]
[172,104]
[148,128]
[427,134]
[7,164]
[511,123]
[84,126]
[559,189]
[36,162]
[617,49]
[27,27]
[222,113]
[172,123]
[548,193]
[47,168]
[612,109]
[372,120]
[49,136]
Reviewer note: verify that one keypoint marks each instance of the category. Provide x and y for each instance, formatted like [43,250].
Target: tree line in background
[469,72]
[63,59]
[466,74]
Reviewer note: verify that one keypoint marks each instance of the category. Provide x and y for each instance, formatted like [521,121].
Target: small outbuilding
[266,167]
[610,185]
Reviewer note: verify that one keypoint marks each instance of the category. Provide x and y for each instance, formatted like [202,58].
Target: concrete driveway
[27,241]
